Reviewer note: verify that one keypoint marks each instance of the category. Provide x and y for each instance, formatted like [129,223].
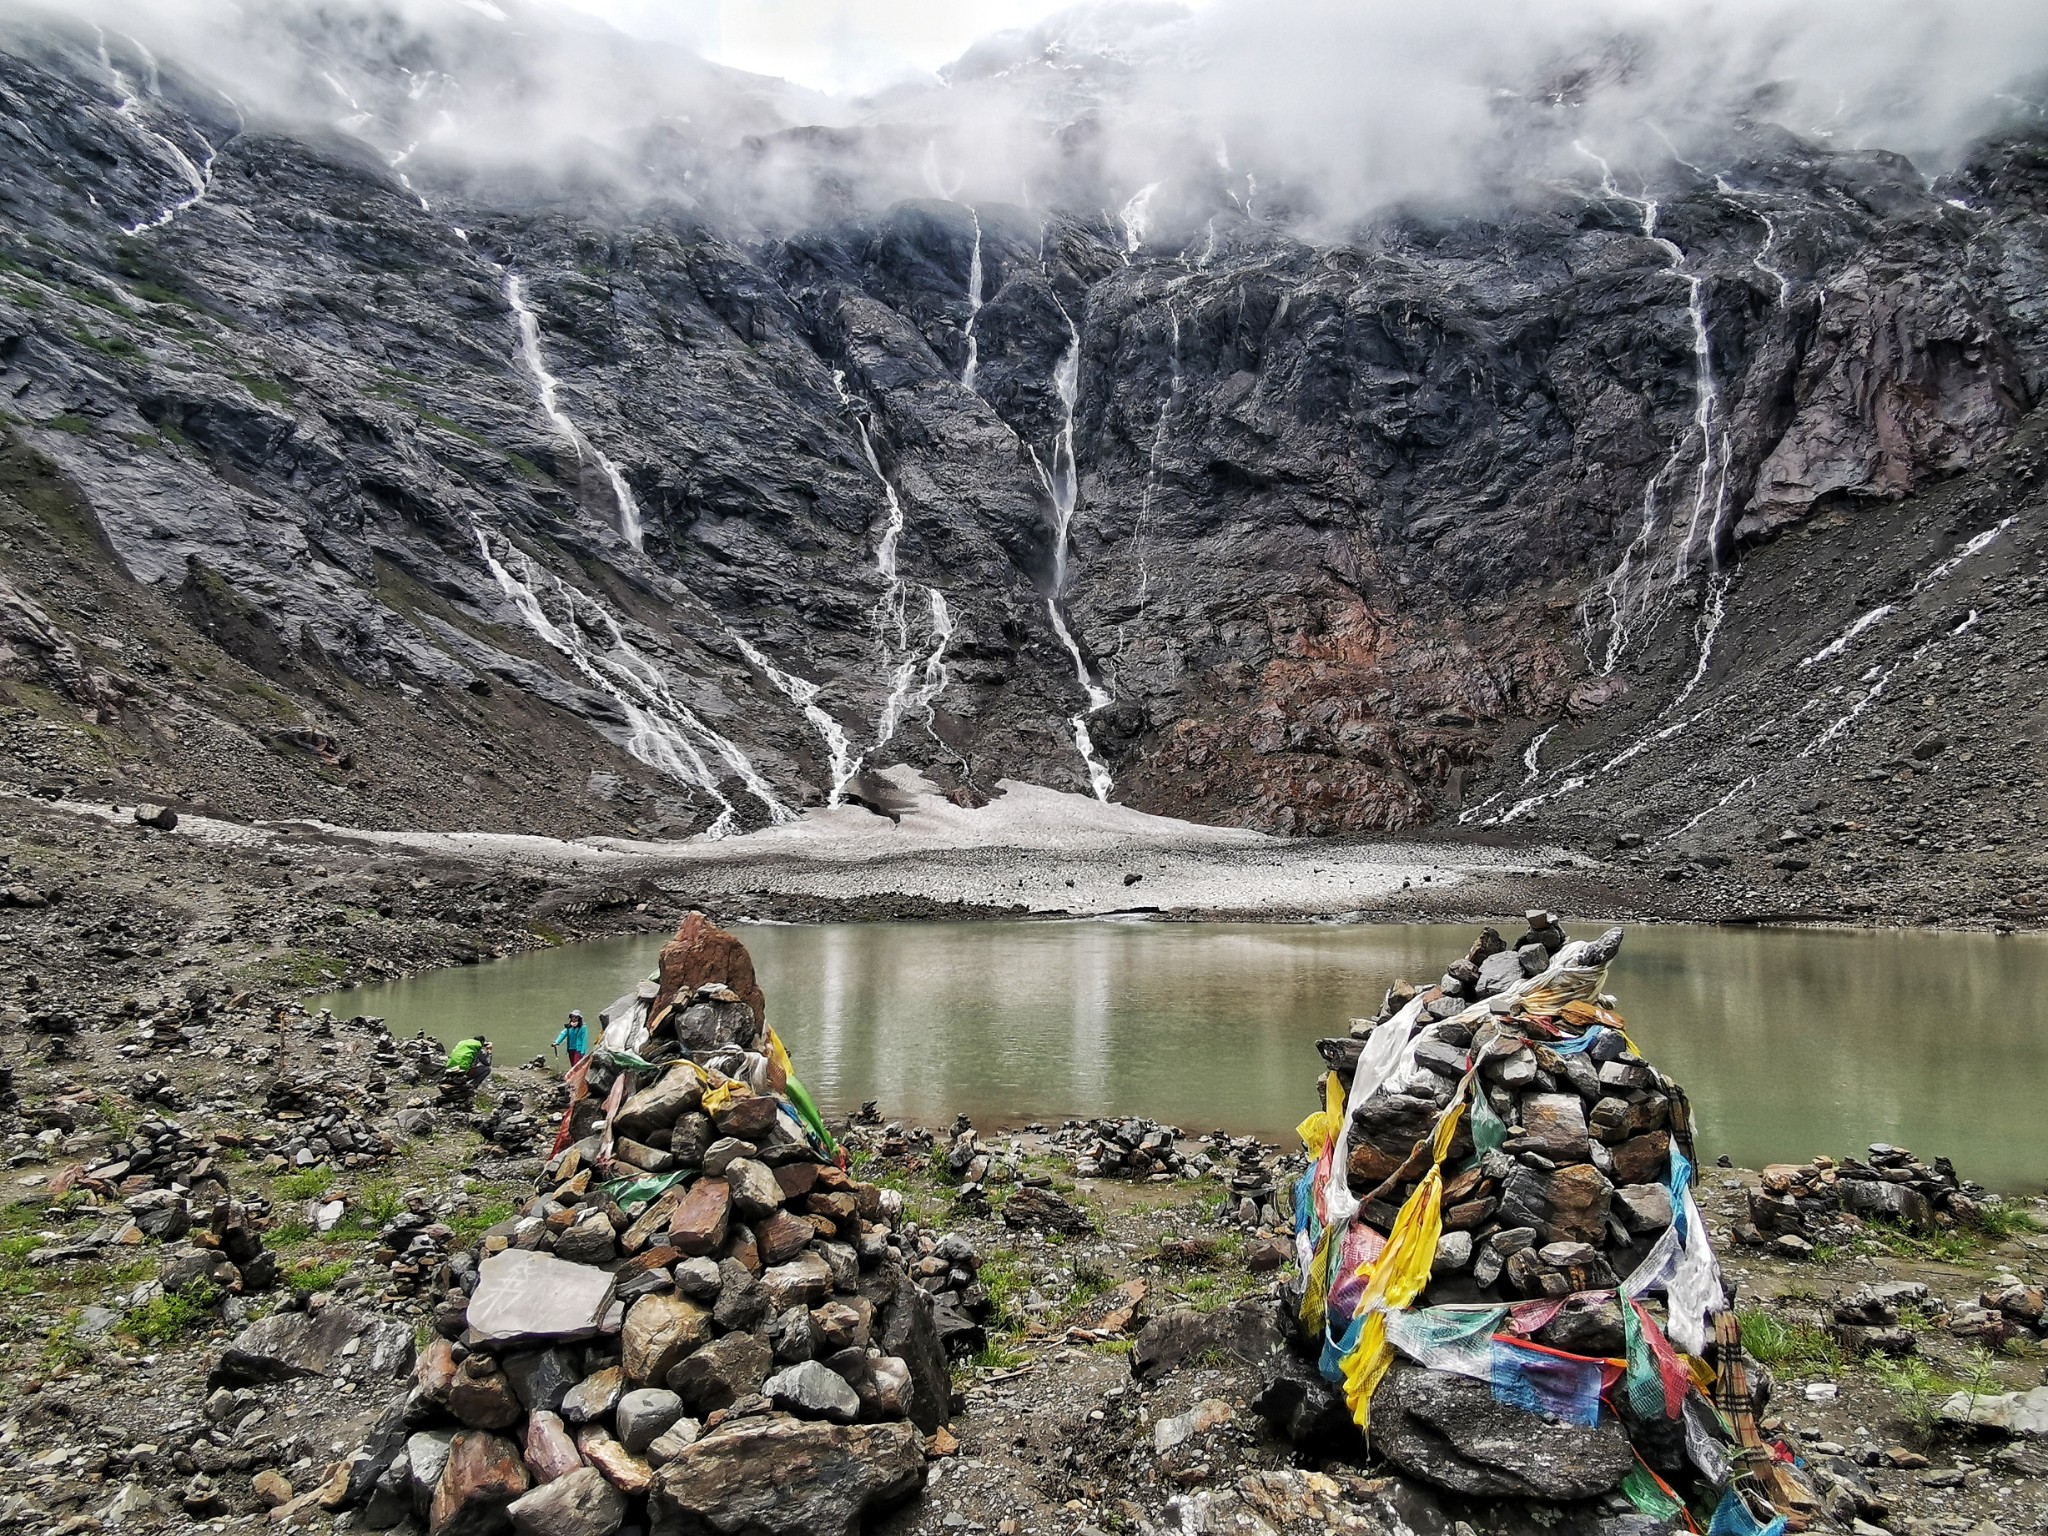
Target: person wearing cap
[574,1037]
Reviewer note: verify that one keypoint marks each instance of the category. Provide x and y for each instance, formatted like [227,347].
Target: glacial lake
[1791,1042]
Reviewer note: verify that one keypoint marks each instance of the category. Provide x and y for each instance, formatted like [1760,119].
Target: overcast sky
[830,45]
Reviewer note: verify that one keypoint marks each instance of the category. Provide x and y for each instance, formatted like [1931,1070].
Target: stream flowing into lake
[1791,1042]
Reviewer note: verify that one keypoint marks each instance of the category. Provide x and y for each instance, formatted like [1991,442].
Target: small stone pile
[226,1258]
[160,1154]
[319,1124]
[1795,1208]
[702,1320]
[1575,1195]
[1130,1148]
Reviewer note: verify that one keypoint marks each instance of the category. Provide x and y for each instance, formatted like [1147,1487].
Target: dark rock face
[1346,512]
[1449,1431]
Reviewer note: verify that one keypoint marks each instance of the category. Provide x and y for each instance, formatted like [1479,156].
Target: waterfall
[129,107]
[1976,546]
[1152,459]
[547,384]
[974,281]
[1751,202]
[1136,218]
[659,724]
[804,694]
[891,613]
[1635,591]
[1529,753]
[1064,486]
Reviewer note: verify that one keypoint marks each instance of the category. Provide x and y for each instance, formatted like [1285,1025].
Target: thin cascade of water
[1173,391]
[1761,259]
[804,694]
[130,107]
[1636,591]
[1976,546]
[974,282]
[1841,642]
[1136,218]
[1063,484]
[1708,630]
[891,613]
[659,724]
[1529,753]
[630,527]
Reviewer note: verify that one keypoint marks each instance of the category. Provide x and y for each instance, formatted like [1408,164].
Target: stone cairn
[1499,1196]
[700,1321]
[1796,1208]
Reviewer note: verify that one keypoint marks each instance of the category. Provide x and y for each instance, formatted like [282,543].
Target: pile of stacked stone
[1129,1148]
[415,1248]
[700,1321]
[181,1025]
[159,1154]
[319,1125]
[511,1126]
[1795,1208]
[1576,1195]
[225,1258]
[1573,1196]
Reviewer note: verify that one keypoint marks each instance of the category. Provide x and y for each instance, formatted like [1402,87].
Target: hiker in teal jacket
[574,1037]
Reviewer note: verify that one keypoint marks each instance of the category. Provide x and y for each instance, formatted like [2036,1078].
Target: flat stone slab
[528,1297]
[335,1341]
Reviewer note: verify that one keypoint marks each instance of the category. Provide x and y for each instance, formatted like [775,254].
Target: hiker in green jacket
[472,1056]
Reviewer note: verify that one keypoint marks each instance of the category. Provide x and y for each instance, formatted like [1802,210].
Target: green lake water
[1790,1042]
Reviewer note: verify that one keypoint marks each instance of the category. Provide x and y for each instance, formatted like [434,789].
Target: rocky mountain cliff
[1686,502]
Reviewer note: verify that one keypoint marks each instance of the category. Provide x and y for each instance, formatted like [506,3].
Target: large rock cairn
[701,1321]
[1498,1175]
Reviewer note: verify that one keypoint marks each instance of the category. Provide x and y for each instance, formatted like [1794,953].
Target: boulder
[1246,1332]
[1554,1124]
[527,1297]
[580,1504]
[335,1341]
[1887,1202]
[484,1474]
[813,1391]
[594,1397]
[550,1453]
[699,1224]
[660,1330]
[1032,1206]
[661,1103]
[2022,1414]
[804,1281]
[620,1467]
[481,1395]
[703,952]
[908,1330]
[542,1377]
[788,1477]
[644,1415]
[1448,1430]
[713,1376]
[755,1193]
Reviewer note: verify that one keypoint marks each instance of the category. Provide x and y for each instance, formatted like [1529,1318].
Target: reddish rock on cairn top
[702,951]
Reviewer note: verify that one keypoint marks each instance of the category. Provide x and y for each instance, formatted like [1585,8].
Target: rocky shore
[232,1230]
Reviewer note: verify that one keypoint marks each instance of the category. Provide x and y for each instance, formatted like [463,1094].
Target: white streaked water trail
[1841,642]
[660,727]
[528,322]
[975,278]
[1062,483]
[803,693]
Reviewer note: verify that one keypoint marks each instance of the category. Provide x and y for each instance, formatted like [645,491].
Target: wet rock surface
[1328,584]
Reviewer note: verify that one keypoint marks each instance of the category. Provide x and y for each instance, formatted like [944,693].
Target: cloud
[1314,110]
